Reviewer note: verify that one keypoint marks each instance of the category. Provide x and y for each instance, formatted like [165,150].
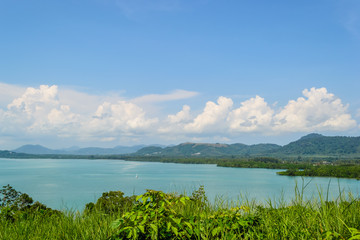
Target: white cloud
[253,115]
[52,112]
[182,116]
[37,110]
[318,111]
[41,111]
[81,102]
[9,92]
[175,95]
[175,123]
[212,119]
[35,100]
[120,117]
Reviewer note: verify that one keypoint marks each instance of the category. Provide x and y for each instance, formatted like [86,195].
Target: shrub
[157,215]
[110,203]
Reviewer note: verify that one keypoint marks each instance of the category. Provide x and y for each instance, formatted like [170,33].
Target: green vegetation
[208,150]
[9,154]
[347,171]
[158,215]
[309,167]
[316,144]
[312,145]
[304,157]
[262,162]
[295,166]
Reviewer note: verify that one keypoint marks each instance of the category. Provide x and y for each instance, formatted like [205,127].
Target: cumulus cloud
[37,110]
[253,115]
[213,117]
[317,111]
[182,116]
[81,102]
[53,112]
[120,117]
[40,111]
[175,123]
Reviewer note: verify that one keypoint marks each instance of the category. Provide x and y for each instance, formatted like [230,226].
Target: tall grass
[316,218]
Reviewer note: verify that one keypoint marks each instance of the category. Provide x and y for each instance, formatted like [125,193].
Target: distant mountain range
[38,149]
[309,145]
[207,149]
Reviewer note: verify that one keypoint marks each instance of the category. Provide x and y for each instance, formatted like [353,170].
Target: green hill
[316,144]
[207,149]
[310,145]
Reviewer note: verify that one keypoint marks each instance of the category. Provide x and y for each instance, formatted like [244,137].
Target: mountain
[310,145]
[107,151]
[151,150]
[208,149]
[317,144]
[38,149]
[311,136]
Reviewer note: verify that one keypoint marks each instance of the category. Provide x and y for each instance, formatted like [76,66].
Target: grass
[157,215]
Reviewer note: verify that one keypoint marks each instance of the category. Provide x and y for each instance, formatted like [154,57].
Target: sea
[71,183]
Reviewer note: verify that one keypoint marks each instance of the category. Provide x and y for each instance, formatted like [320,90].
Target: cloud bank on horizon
[52,112]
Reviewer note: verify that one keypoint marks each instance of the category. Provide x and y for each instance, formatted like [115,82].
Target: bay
[71,183]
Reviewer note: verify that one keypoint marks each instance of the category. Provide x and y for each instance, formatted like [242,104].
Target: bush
[15,205]
[157,215]
[112,202]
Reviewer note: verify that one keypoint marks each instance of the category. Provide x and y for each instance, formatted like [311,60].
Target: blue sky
[125,72]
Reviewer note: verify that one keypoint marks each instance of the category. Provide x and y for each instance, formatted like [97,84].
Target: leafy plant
[157,215]
[110,203]
[15,205]
[14,199]
[154,217]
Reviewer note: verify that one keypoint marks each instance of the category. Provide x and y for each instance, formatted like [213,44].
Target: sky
[126,72]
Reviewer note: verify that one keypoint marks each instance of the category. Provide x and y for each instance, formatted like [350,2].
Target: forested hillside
[316,144]
[312,144]
[206,149]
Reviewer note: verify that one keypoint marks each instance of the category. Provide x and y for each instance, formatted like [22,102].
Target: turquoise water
[73,183]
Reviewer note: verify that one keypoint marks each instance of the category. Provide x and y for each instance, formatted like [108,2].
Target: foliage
[13,198]
[316,144]
[15,205]
[153,217]
[158,215]
[348,171]
[110,203]
[261,162]
[207,149]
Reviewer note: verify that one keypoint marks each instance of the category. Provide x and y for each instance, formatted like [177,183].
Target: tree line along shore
[315,166]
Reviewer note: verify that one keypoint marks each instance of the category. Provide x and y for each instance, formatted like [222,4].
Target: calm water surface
[73,183]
